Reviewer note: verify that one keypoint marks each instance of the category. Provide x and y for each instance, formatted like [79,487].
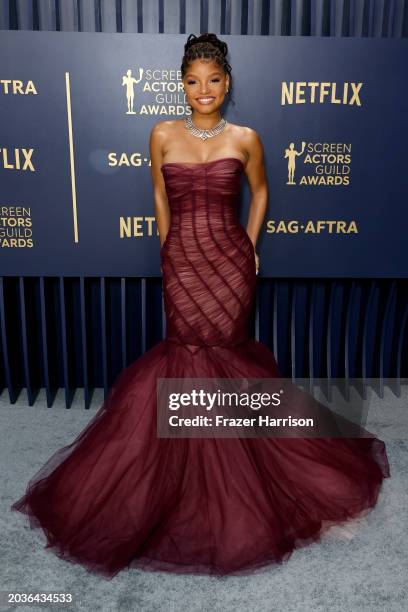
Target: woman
[119,496]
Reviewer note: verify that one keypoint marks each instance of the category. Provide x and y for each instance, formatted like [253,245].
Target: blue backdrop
[77,333]
[76,192]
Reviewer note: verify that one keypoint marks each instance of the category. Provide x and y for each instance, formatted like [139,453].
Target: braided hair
[206,46]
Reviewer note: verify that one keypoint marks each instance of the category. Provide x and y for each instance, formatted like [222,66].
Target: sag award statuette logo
[290,155]
[159,92]
[129,82]
[325,164]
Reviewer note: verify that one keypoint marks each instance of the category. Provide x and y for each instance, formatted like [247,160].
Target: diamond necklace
[204,134]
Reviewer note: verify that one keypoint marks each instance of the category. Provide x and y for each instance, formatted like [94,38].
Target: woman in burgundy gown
[119,496]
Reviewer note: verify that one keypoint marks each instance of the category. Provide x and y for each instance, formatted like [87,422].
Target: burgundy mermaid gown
[118,496]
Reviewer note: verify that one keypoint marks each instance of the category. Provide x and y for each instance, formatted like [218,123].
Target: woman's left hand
[256,263]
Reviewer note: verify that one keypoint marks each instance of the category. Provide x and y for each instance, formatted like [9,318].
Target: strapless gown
[119,496]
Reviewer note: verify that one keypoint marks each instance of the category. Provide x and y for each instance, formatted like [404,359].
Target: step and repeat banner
[76,111]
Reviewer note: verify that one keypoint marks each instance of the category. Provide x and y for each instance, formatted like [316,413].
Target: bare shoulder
[166,127]
[253,145]
[244,131]
[161,134]
[249,139]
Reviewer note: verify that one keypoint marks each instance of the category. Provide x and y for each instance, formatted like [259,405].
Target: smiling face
[205,84]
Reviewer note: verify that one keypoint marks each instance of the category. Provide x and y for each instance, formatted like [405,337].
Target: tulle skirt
[119,496]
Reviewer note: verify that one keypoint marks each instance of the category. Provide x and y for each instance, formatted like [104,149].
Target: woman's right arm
[161,205]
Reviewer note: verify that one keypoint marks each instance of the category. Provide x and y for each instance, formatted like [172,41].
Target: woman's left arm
[255,172]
